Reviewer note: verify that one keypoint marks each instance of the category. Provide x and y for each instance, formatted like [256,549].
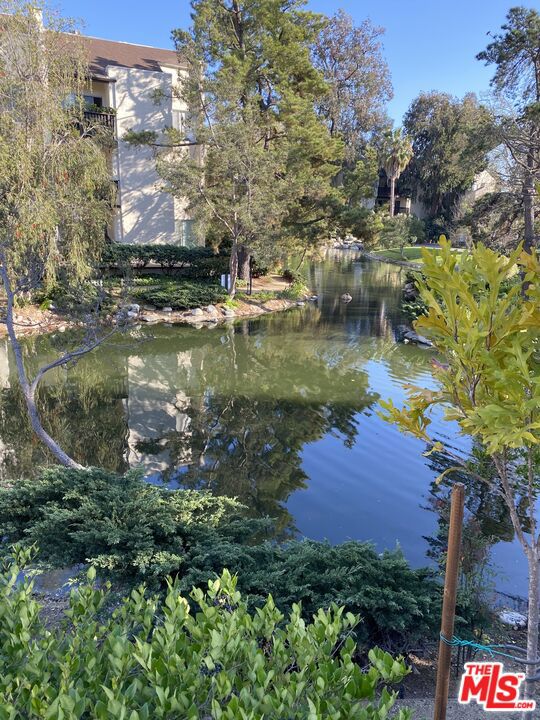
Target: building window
[179,120]
[90,100]
[186,233]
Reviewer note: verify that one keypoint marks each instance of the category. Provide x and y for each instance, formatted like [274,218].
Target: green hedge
[179,295]
[188,261]
[147,659]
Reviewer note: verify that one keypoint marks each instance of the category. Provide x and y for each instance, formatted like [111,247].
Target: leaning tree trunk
[392,196]
[29,389]
[533,614]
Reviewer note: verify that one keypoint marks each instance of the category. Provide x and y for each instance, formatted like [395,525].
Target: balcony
[103,118]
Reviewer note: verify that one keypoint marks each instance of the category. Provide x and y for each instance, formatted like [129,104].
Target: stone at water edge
[228,312]
[134,308]
[166,309]
[300,303]
[511,617]
[346,297]
[405,334]
[212,309]
[197,312]
[149,318]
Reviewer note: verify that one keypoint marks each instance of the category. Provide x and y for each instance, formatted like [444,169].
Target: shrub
[195,262]
[296,291]
[399,606]
[180,295]
[159,660]
[401,230]
[257,270]
[414,308]
[133,530]
[129,528]
[292,275]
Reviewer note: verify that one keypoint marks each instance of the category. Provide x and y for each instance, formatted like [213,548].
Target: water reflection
[277,411]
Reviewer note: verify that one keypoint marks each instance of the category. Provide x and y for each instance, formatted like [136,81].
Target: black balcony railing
[104,119]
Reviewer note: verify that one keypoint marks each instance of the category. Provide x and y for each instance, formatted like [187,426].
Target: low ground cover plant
[179,294]
[133,531]
[159,659]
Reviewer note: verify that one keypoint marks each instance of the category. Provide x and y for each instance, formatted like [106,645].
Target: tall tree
[397,152]
[54,183]
[268,159]
[515,52]
[451,139]
[351,61]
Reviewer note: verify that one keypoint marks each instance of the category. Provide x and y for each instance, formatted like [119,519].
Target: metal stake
[449,600]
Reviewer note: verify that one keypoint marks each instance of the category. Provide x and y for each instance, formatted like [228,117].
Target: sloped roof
[121,54]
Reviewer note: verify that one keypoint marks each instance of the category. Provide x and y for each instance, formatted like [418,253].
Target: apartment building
[123,82]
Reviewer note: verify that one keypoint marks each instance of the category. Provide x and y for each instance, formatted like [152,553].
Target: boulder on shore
[405,334]
[346,298]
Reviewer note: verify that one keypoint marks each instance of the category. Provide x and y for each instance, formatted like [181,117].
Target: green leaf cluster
[150,659]
[487,332]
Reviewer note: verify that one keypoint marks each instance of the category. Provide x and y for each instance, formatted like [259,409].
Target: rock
[62,328]
[134,308]
[131,314]
[300,303]
[197,312]
[346,298]
[314,297]
[149,318]
[511,617]
[410,291]
[166,309]
[405,334]
[228,312]
[212,309]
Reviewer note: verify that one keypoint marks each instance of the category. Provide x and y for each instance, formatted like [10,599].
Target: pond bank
[400,263]
[33,320]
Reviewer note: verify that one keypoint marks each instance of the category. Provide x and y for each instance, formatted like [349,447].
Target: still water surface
[278,411]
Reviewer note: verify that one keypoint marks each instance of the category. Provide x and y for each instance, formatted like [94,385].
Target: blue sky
[429,44]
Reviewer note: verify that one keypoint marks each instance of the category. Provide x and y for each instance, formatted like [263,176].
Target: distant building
[124,80]
[485,182]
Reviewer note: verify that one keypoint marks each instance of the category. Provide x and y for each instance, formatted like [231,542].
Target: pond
[279,411]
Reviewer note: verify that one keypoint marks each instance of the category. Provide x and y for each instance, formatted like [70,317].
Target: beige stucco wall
[147,214]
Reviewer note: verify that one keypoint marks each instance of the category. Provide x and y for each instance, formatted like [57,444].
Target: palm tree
[396,155]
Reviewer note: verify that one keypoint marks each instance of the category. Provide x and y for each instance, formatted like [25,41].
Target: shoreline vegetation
[268,296]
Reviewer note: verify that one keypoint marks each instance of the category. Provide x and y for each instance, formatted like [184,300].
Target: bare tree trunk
[529,192]
[244,258]
[233,268]
[29,389]
[533,614]
[392,196]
